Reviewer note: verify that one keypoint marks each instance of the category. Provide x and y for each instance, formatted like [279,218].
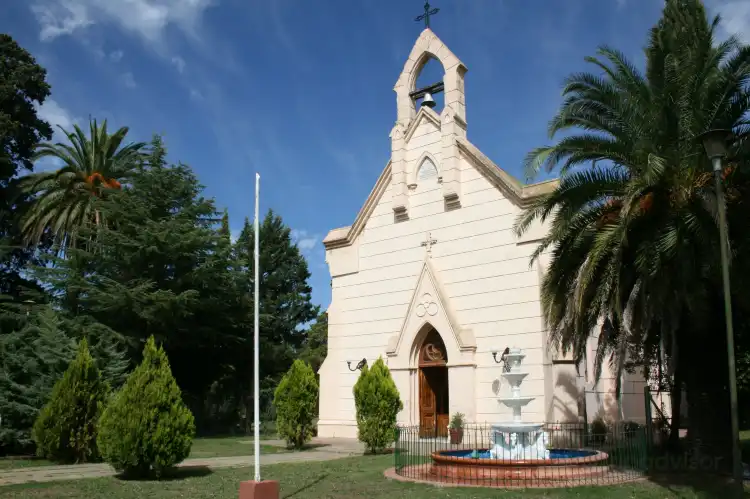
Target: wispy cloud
[179,63]
[146,18]
[57,116]
[304,240]
[116,56]
[54,114]
[735,17]
[62,17]
[128,80]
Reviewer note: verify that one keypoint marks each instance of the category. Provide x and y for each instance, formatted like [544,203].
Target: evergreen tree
[285,306]
[158,267]
[147,428]
[32,360]
[224,230]
[65,429]
[378,403]
[296,401]
[315,345]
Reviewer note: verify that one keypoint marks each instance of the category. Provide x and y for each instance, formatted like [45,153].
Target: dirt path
[328,449]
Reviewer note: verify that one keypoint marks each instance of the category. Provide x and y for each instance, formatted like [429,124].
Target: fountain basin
[563,464]
[515,401]
[516,427]
[514,378]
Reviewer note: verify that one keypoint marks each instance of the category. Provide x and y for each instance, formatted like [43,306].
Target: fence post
[585,420]
[649,423]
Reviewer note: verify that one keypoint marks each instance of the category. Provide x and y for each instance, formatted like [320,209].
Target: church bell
[428,100]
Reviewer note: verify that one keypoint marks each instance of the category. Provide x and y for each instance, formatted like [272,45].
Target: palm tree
[633,241]
[63,200]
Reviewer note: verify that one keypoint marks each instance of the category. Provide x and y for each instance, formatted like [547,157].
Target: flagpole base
[265,489]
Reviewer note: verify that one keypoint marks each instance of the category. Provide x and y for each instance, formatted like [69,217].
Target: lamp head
[715,142]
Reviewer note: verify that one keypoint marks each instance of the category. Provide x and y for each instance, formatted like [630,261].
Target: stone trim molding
[463,337]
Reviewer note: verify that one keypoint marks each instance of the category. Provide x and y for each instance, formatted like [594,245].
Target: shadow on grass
[306,486]
[707,485]
[179,473]
[674,469]
[307,447]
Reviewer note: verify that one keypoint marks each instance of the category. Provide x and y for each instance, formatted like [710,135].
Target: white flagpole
[256,339]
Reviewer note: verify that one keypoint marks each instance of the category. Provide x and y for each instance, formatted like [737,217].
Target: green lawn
[229,446]
[202,448]
[340,479]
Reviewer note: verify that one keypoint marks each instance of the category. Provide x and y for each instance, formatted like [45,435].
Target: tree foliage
[285,305]
[139,251]
[633,237]
[32,360]
[378,403]
[296,403]
[315,346]
[23,88]
[65,430]
[64,199]
[147,429]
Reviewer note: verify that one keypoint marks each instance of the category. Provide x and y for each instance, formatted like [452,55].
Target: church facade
[431,277]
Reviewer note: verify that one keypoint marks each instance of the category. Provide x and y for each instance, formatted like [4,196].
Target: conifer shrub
[65,430]
[378,403]
[296,401]
[147,429]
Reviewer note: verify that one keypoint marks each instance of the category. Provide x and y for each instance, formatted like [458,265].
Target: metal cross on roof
[427,13]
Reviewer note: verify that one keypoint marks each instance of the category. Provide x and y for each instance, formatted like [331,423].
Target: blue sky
[301,91]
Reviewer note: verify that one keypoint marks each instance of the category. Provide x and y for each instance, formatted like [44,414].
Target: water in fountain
[517,440]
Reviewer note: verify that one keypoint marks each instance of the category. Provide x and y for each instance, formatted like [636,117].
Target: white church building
[431,277]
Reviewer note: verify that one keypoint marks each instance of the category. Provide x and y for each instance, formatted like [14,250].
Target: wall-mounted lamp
[502,357]
[362,363]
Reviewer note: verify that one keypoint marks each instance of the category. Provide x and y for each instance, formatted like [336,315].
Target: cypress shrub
[296,400]
[378,403]
[65,430]
[147,428]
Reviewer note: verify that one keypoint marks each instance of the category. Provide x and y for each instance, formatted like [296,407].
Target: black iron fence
[544,455]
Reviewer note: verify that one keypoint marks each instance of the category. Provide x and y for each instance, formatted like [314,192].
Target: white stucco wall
[486,277]
[489,293]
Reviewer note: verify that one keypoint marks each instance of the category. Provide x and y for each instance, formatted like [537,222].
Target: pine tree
[285,302]
[147,429]
[65,430]
[315,346]
[32,360]
[224,230]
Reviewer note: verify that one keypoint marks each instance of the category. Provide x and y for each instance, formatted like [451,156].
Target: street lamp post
[715,143]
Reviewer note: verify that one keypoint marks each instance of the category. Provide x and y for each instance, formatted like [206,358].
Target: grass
[340,479]
[8,463]
[229,446]
[202,448]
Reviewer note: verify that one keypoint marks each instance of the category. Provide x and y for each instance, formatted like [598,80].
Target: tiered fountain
[517,440]
[518,454]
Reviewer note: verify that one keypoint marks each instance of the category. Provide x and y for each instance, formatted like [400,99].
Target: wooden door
[427,413]
[433,401]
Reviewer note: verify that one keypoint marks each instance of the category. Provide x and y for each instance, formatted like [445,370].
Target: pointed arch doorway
[433,387]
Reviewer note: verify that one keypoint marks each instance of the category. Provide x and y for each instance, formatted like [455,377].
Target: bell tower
[452,117]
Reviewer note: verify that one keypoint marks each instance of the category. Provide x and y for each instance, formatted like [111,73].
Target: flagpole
[256,339]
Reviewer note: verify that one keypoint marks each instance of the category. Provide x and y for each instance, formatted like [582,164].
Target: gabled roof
[510,186]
